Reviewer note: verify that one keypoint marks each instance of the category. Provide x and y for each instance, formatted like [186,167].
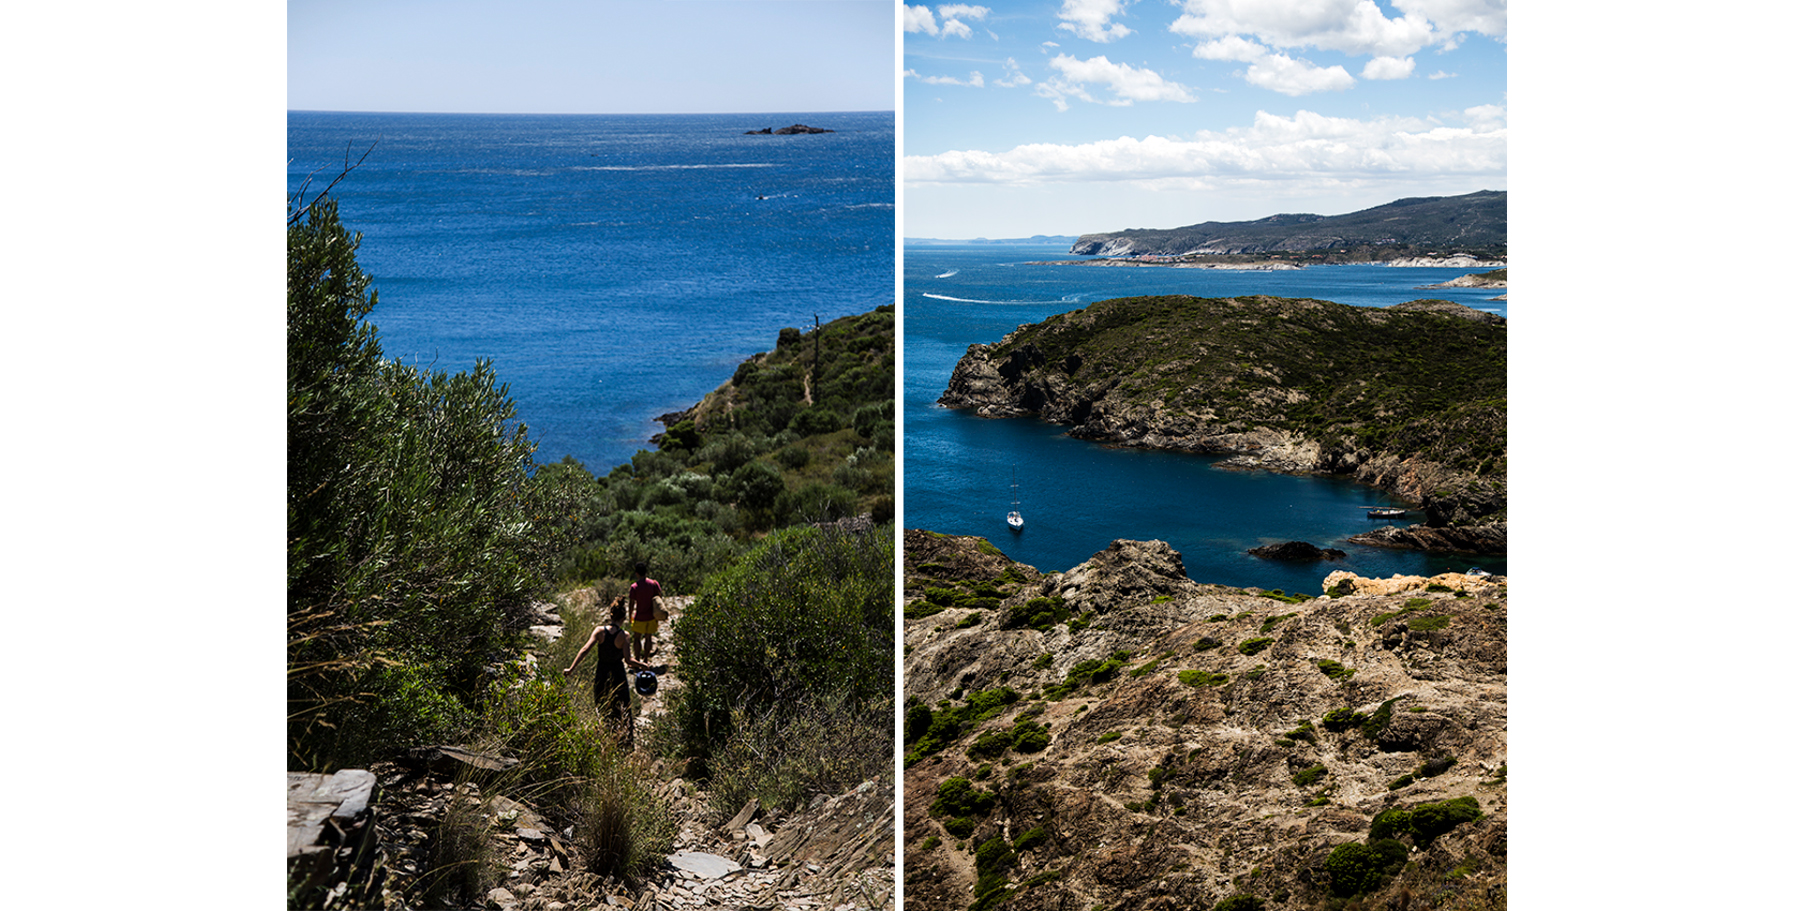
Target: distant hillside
[1473,223]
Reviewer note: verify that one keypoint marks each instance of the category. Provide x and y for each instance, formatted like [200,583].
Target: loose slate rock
[699,863]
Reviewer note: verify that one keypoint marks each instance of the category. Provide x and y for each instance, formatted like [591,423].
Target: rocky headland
[1118,736]
[1410,399]
[1473,224]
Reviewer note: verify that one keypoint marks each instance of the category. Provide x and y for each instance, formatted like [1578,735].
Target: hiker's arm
[623,644]
[592,638]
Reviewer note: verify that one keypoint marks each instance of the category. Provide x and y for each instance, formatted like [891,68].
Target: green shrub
[416,534]
[1336,671]
[957,797]
[1253,646]
[960,827]
[1343,719]
[1422,624]
[1275,620]
[805,618]
[1425,822]
[1358,869]
[1198,678]
[1108,737]
[1308,777]
[1030,737]
[1031,838]
[1206,644]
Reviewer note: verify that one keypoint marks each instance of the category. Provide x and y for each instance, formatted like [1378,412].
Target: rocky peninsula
[1115,735]
[1410,398]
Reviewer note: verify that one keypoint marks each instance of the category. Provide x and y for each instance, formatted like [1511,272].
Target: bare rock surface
[1237,742]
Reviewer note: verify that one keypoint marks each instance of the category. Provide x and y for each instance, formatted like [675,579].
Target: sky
[591,56]
[1076,116]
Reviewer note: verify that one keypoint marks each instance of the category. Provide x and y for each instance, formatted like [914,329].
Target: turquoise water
[613,267]
[1076,496]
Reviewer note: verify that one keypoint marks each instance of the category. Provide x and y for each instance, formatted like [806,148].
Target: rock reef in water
[787,131]
[1296,551]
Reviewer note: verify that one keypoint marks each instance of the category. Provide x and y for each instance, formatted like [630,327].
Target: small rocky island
[787,131]
[1410,399]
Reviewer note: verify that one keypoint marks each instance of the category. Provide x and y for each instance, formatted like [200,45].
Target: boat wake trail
[949,273]
[1067,299]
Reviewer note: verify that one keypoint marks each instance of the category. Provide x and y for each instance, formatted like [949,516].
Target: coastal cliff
[1410,398]
[1118,736]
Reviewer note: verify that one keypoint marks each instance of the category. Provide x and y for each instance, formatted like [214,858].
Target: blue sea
[1077,496]
[613,268]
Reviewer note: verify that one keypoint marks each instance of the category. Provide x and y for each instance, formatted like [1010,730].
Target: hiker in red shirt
[644,593]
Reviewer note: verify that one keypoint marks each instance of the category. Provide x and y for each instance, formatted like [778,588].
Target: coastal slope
[1473,222]
[1118,736]
[1409,398]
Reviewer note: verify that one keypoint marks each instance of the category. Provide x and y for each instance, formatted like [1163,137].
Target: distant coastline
[1062,239]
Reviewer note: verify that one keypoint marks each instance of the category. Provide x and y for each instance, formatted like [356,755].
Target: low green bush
[957,797]
[1199,678]
[1358,869]
[1254,646]
[1335,671]
[1308,777]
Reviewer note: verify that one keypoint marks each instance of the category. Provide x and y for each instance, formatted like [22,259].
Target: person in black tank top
[612,693]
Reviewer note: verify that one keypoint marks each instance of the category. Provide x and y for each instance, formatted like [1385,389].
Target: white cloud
[1440,74]
[1231,47]
[1486,116]
[918,19]
[1014,76]
[1484,17]
[974,80]
[963,11]
[1091,19]
[1354,27]
[1284,74]
[1127,83]
[1307,151]
[1388,68]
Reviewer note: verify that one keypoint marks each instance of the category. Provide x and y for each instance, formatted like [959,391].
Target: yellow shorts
[644,627]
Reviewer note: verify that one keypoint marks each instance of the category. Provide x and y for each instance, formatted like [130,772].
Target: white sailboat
[1013,519]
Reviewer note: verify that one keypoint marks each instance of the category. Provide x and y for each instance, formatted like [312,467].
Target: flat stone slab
[706,866]
[314,799]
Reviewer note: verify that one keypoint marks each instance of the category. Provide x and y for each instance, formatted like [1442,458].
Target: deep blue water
[1076,496]
[613,267]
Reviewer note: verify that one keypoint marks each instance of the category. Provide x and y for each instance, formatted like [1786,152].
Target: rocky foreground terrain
[1118,736]
[837,854]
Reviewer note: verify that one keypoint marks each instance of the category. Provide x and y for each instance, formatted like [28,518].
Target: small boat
[1385,512]
[1014,520]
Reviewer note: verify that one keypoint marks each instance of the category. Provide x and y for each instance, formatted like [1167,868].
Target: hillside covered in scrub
[1409,398]
[1118,736]
[434,569]
[1474,223]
